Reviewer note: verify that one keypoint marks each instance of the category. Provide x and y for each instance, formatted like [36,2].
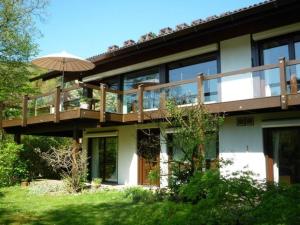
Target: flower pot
[24,183]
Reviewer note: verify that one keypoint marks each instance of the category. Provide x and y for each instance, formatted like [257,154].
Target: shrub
[138,194]
[46,187]
[12,168]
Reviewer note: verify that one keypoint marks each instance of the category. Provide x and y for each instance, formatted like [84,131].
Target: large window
[270,51]
[190,69]
[132,81]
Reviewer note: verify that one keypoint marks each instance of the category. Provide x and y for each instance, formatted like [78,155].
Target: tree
[194,128]
[17,45]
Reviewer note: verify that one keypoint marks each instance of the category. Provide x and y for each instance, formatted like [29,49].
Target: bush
[37,166]
[46,187]
[138,194]
[12,168]
[239,199]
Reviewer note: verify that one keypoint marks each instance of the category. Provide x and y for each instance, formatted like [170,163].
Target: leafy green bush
[12,168]
[239,199]
[37,166]
[138,194]
[46,187]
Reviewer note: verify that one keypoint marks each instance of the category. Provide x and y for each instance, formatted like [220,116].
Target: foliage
[110,207]
[240,199]
[139,194]
[70,162]
[12,168]
[37,166]
[194,128]
[154,175]
[17,46]
[46,187]
[97,181]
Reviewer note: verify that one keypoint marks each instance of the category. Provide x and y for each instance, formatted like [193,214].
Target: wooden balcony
[263,88]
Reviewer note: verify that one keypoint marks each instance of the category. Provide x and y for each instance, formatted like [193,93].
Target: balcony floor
[83,118]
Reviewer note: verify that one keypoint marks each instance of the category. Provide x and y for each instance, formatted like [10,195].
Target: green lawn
[19,206]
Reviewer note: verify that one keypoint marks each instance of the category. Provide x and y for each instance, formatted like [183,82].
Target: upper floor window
[131,81]
[190,69]
[270,51]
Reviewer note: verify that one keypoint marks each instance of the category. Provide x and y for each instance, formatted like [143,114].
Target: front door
[149,154]
[103,158]
[282,146]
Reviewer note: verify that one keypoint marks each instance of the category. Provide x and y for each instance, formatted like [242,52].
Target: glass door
[104,158]
[284,149]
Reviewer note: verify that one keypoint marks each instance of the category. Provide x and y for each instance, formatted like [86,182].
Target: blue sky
[87,27]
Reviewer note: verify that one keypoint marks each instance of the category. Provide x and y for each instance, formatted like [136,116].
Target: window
[131,81]
[190,69]
[270,51]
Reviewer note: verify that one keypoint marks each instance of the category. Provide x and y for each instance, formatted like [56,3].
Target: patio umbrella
[63,62]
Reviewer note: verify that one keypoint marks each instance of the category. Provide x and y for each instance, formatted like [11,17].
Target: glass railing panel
[211,93]
[151,100]
[293,78]
[41,105]
[130,103]
[249,85]
[185,94]
[73,99]
[112,102]
[11,113]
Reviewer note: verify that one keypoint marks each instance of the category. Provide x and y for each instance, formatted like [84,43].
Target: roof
[181,30]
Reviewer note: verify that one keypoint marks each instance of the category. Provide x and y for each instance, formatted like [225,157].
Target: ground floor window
[103,158]
[177,155]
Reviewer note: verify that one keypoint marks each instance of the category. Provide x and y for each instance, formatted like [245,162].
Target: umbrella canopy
[63,62]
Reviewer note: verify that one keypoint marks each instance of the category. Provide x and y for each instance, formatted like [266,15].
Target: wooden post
[102,102]
[17,138]
[57,105]
[162,99]
[294,84]
[24,111]
[200,89]
[140,103]
[283,86]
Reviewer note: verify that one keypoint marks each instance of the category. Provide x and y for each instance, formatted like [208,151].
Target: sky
[88,27]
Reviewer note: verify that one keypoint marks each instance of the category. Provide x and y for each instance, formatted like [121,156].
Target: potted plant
[96,183]
[84,103]
[25,182]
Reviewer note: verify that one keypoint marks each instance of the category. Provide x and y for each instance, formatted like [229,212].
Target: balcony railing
[258,82]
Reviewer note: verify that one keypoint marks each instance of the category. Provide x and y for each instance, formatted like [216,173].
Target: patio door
[282,148]
[103,158]
[149,155]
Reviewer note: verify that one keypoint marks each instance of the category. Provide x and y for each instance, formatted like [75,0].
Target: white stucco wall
[243,146]
[127,157]
[236,54]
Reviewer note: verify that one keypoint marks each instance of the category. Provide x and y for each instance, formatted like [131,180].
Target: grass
[19,206]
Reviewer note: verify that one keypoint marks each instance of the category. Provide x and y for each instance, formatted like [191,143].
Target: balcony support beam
[24,111]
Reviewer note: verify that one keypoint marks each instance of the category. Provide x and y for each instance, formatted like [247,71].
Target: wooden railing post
[102,102]
[162,99]
[24,111]
[200,89]
[57,105]
[283,86]
[140,103]
[294,84]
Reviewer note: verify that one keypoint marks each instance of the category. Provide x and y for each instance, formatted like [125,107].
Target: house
[244,64]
